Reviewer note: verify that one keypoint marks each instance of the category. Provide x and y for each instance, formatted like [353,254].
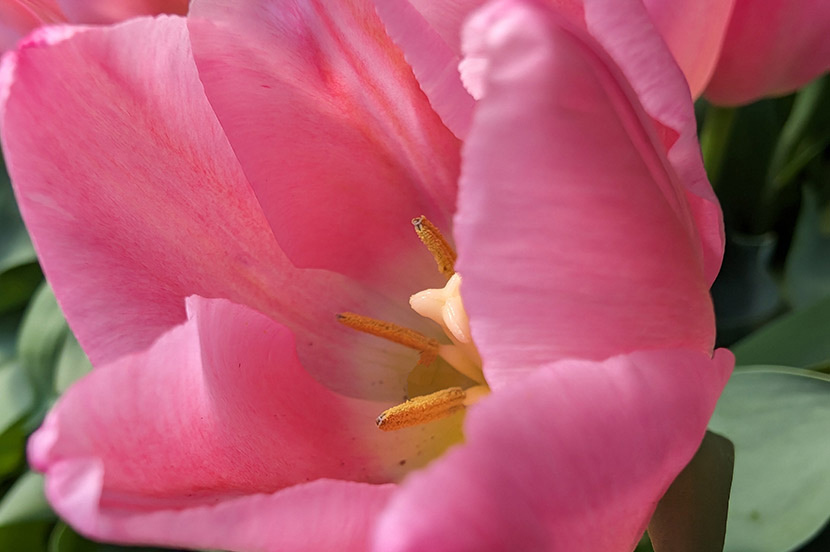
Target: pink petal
[447,18]
[217,408]
[626,32]
[320,516]
[427,32]
[135,200]
[574,457]
[18,17]
[333,132]
[575,238]
[108,11]
[771,48]
[694,32]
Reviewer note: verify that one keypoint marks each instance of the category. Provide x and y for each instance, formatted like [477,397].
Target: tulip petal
[694,32]
[107,11]
[341,514]
[18,17]
[446,18]
[333,132]
[771,48]
[626,32]
[574,236]
[217,408]
[95,180]
[574,457]
[429,35]
[135,200]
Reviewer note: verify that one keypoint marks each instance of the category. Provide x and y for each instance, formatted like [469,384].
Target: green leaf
[25,537]
[804,137]
[48,353]
[17,285]
[778,419]
[16,396]
[645,544]
[798,339]
[714,137]
[64,539]
[691,516]
[807,271]
[8,335]
[743,171]
[41,340]
[745,293]
[12,450]
[25,502]
[15,247]
[72,364]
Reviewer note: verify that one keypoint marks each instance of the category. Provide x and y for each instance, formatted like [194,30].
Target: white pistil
[444,307]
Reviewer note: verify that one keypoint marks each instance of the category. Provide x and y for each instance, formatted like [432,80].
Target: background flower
[771,47]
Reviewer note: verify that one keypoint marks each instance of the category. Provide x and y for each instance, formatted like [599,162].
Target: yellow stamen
[428,357]
[436,243]
[398,334]
[421,410]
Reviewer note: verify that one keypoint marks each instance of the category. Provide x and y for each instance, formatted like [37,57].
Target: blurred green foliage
[777,418]
[772,300]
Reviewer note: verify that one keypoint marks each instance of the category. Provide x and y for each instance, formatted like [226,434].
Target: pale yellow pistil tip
[440,248]
[424,409]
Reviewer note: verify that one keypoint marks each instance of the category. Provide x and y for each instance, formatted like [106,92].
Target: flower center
[444,307]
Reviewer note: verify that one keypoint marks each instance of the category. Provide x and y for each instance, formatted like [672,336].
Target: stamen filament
[423,409]
[440,248]
[398,334]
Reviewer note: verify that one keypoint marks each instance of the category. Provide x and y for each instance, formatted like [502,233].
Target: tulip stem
[714,136]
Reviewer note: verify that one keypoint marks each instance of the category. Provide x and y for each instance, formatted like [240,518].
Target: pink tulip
[19,17]
[430,35]
[694,32]
[738,51]
[772,47]
[201,251]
